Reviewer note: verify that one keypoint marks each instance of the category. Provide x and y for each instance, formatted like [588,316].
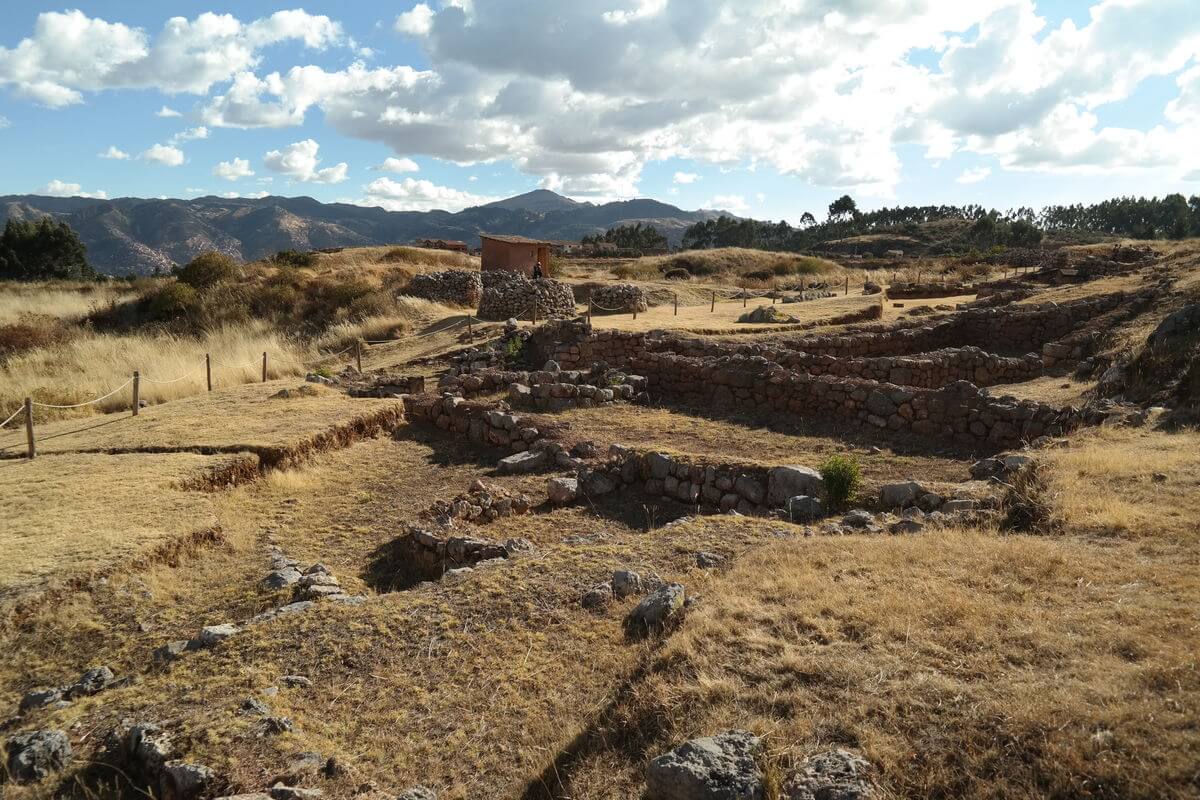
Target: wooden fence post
[358,353]
[713,307]
[745,297]
[847,285]
[137,391]
[676,303]
[264,380]
[208,369]
[635,309]
[29,427]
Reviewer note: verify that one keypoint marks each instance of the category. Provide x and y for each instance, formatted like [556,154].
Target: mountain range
[133,235]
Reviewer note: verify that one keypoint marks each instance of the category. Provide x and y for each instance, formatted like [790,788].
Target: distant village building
[443,244]
[566,248]
[514,253]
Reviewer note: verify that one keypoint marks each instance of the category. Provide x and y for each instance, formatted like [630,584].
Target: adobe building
[514,253]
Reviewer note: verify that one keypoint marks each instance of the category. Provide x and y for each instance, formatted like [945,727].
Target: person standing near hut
[537,271]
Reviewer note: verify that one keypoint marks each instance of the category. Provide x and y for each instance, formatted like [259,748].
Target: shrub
[30,332]
[293,258]
[171,302]
[207,270]
[842,478]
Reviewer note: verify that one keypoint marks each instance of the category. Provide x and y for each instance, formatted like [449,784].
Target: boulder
[39,698]
[32,756]
[596,484]
[719,767]
[832,775]
[178,780]
[951,506]
[899,495]
[804,508]
[213,634]
[706,560]
[793,480]
[906,526]
[986,468]
[597,596]
[658,609]
[749,488]
[626,583]
[521,463]
[281,578]
[858,518]
[1184,322]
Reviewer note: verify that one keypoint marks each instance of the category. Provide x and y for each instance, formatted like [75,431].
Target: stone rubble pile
[93,681]
[913,291]
[551,388]
[454,287]
[509,295]
[386,385]
[768,314]
[480,504]
[432,556]
[618,298]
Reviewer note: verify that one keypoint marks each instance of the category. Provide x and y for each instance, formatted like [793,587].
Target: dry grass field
[970,660]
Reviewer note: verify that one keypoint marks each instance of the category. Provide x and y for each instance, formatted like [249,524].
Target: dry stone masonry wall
[508,295]
[455,287]
[617,298]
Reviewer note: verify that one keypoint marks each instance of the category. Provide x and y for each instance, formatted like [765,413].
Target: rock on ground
[418,793]
[562,490]
[833,775]
[792,480]
[33,756]
[658,609]
[179,780]
[720,767]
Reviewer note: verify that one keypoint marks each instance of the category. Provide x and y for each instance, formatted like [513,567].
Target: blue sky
[764,108]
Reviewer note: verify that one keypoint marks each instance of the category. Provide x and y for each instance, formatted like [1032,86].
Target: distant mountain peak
[539,200]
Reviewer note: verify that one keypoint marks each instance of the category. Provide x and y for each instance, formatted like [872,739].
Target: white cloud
[299,160]
[729,202]
[190,134]
[116,155]
[411,194]
[163,154]
[974,175]
[167,112]
[248,196]
[473,178]
[232,170]
[70,53]
[398,165]
[4,123]
[417,21]
[57,188]
[685,177]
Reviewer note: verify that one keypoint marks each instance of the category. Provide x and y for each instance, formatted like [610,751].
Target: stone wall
[960,412]
[454,287]
[617,298]
[577,347]
[508,295]
[900,291]
[482,423]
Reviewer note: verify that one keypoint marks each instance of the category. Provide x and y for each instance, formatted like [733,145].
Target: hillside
[136,235]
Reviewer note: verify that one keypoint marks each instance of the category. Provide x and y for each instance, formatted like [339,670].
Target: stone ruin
[454,287]
[479,504]
[509,295]
[551,388]
[617,298]
[913,291]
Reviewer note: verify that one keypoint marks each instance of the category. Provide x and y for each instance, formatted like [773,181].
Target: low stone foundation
[914,291]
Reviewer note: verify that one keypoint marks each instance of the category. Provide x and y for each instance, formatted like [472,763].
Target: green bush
[294,258]
[207,270]
[842,478]
[171,302]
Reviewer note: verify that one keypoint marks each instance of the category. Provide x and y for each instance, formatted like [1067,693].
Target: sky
[765,108]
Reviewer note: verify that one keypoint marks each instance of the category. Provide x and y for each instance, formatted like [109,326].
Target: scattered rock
[281,578]
[521,463]
[178,780]
[951,506]
[804,508]
[214,634]
[720,767]
[33,756]
[418,793]
[598,596]
[255,706]
[562,490]
[626,583]
[791,481]
[39,698]
[273,726]
[899,495]
[658,609]
[706,560]
[858,518]
[296,682]
[906,526]
[170,652]
[281,792]
[833,775]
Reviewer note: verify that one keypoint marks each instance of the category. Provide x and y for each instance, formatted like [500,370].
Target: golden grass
[961,664]
[1104,483]
[91,365]
[410,315]
[373,259]
[72,515]
[62,299]
[232,418]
